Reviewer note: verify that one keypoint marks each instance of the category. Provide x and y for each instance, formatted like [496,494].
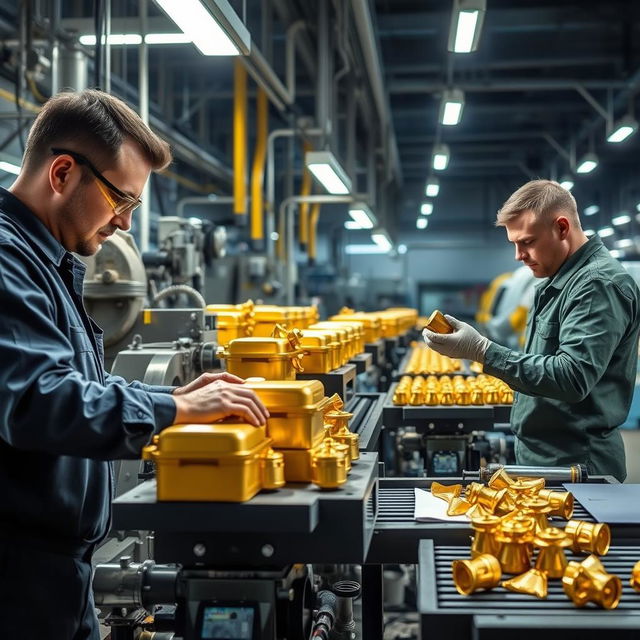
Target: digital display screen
[227,623]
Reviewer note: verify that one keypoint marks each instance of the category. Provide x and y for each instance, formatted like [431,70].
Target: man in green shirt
[575,378]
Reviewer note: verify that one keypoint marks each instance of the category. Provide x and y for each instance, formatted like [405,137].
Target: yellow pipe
[259,161]
[239,138]
[25,104]
[305,190]
[313,224]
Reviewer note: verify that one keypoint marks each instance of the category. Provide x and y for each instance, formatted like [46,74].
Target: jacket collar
[575,261]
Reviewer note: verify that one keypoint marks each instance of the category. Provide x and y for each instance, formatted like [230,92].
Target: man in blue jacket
[62,417]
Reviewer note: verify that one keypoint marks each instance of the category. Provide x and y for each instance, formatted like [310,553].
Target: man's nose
[123,221]
[520,254]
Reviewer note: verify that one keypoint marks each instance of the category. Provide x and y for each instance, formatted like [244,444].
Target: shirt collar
[32,227]
[575,261]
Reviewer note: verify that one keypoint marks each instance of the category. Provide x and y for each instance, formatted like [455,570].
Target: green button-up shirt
[575,379]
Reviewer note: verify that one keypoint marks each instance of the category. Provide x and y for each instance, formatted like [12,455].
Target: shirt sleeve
[46,404]
[594,321]
[136,384]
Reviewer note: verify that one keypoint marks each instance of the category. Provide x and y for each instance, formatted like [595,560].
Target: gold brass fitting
[272,469]
[588,581]
[446,492]
[431,398]
[561,502]
[458,506]
[490,395]
[506,396]
[484,539]
[329,466]
[635,577]
[462,397]
[482,572]
[500,479]
[339,421]
[533,583]
[446,398]
[400,396]
[589,537]
[538,508]
[438,323]
[516,535]
[551,559]
[496,501]
[476,396]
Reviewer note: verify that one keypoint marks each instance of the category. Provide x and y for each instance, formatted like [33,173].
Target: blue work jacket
[62,417]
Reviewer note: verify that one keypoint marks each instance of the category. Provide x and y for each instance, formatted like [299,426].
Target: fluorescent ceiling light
[364,249]
[363,215]
[167,38]
[638,207]
[212,25]
[433,188]
[466,23]
[589,232]
[592,209]
[622,129]
[616,253]
[402,249]
[567,183]
[440,159]
[623,218]
[421,223]
[328,172]
[352,225]
[588,163]
[113,38]
[451,107]
[426,208]
[9,167]
[381,238]
[605,232]
[624,243]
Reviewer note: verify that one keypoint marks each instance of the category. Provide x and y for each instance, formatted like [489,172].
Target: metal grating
[619,561]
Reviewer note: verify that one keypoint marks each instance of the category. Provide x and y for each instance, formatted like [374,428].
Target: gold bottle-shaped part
[516,536]
[561,502]
[329,466]
[400,396]
[339,429]
[484,539]
[272,468]
[446,397]
[538,508]
[446,492]
[342,448]
[482,572]
[431,398]
[634,581]
[490,395]
[589,581]
[500,479]
[462,396]
[551,558]
[496,501]
[589,537]
[533,582]
[477,397]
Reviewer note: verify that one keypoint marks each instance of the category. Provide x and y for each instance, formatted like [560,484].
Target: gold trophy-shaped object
[538,509]
[496,501]
[482,572]
[635,577]
[588,581]
[339,430]
[516,536]
[329,466]
[561,502]
[533,583]
[589,537]
[484,539]
[551,559]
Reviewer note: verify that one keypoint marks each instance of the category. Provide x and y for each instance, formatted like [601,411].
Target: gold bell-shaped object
[589,537]
[484,539]
[516,536]
[458,507]
[538,509]
[635,577]
[526,486]
[482,572]
[496,501]
[477,397]
[339,421]
[446,492]
[551,559]
[272,468]
[329,466]
[500,479]
[588,581]
[561,502]
[533,583]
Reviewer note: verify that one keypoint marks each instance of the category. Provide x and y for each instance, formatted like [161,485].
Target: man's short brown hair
[543,197]
[93,123]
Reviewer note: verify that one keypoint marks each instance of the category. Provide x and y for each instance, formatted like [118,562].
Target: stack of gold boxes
[510,519]
[232,320]
[444,390]
[371,322]
[426,361]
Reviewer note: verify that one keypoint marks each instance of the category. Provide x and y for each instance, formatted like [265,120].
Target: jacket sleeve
[46,404]
[136,384]
[595,320]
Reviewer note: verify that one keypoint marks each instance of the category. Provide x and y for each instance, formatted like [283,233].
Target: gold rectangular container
[335,344]
[231,325]
[296,411]
[269,358]
[343,337]
[267,316]
[359,332]
[318,349]
[208,462]
[297,464]
[372,324]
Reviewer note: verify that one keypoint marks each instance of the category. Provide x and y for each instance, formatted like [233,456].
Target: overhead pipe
[239,139]
[257,174]
[313,227]
[305,190]
[143,93]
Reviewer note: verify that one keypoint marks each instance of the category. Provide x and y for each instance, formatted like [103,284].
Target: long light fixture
[433,188]
[212,25]
[605,232]
[382,239]
[625,243]
[364,249]
[328,172]
[466,24]
[588,163]
[616,253]
[567,182]
[426,208]
[623,128]
[451,107]
[421,223]
[116,39]
[591,210]
[9,167]
[351,225]
[362,215]
[440,159]
[619,220]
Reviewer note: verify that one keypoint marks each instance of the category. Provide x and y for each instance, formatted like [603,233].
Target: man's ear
[62,174]
[563,226]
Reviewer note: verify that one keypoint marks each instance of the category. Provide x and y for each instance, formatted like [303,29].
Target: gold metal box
[319,351]
[267,316]
[269,358]
[372,324]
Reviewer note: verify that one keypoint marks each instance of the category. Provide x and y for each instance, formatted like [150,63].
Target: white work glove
[464,342]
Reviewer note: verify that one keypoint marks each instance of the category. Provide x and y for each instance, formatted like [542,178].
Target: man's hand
[464,342]
[211,400]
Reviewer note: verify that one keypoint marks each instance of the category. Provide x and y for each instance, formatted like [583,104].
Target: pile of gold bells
[433,390]
[425,361]
[510,520]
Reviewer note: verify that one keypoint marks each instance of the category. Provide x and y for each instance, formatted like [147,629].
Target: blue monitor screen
[227,623]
